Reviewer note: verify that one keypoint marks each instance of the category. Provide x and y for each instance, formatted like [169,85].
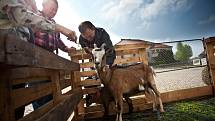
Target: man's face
[50,9]
[89,34]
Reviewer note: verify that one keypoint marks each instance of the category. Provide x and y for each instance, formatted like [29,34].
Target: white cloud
[117,11]
[210,19]
[144,10]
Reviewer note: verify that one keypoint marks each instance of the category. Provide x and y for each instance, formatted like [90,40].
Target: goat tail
[153,71]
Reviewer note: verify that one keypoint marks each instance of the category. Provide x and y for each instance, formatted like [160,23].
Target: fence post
[6,108]
[210,48]
[75,81]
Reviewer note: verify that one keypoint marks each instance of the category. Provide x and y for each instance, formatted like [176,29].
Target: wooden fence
[28,73]
[23,64]
[126,54]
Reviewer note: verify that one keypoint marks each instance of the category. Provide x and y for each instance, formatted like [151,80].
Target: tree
[184,52]
[164,57]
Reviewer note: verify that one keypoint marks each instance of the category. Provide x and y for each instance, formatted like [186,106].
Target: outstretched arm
[18,15]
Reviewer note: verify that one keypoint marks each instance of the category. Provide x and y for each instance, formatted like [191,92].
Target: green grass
[199,110]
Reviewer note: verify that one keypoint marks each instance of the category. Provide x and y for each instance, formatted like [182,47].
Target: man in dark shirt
[91,35]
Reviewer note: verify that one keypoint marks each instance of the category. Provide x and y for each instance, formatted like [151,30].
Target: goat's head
[98,54]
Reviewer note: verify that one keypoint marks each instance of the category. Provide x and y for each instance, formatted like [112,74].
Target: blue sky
[151,20]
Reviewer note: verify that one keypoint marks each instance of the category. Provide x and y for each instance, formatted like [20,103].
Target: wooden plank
[210,39]
[25,95]
[86,65]
[2,46]
[28,80]
[33,116]
[75,79]
[210,43]
[127,60]
[64,109]
[88,73]
[80,107]
[130,46]
[65,83]
[79,56]
[56,86]
[31,55]
[6,107]
[28,72]
[143,55]
[186,93]
[90,90]
[126,52]
[90,82]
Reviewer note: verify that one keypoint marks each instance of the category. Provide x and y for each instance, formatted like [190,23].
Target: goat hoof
[155,110]
[162,111]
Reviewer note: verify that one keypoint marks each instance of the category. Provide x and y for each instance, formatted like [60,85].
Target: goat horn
[95,46]
[103,45]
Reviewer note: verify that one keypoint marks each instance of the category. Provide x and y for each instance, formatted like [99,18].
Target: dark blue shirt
[101,36]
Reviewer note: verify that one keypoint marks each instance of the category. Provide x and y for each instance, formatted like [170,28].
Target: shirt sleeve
[60,43]
[19,15]
[106,39]
[81,42]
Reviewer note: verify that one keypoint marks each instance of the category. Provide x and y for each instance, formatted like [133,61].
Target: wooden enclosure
[22,64]
[129,53]
[28,73]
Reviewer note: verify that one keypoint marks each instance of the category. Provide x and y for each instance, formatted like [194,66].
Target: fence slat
[26,95]
[87,73]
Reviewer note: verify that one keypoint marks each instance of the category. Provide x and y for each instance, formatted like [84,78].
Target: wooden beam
[7,112]
[130,46]
[210,49]
[88,73]
[21,53]
[127,60]
[64,109]
[25,95]
[90,82]
[87,65]
[126,52]
[28,72]
[2,46]
[33,116]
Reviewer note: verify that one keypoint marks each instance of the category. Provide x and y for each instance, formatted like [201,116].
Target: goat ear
[109,50]
[95,46]
[103,46]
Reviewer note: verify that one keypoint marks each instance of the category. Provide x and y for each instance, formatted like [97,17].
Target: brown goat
[125,80]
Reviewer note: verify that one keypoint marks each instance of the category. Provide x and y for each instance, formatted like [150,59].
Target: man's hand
[88,50]
[72,36]
[67,32]
[71,50]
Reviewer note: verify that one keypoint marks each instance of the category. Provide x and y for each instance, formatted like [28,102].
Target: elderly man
[16,13]
[50,40]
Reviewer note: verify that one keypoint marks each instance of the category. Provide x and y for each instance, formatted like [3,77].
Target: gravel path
[180,79]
